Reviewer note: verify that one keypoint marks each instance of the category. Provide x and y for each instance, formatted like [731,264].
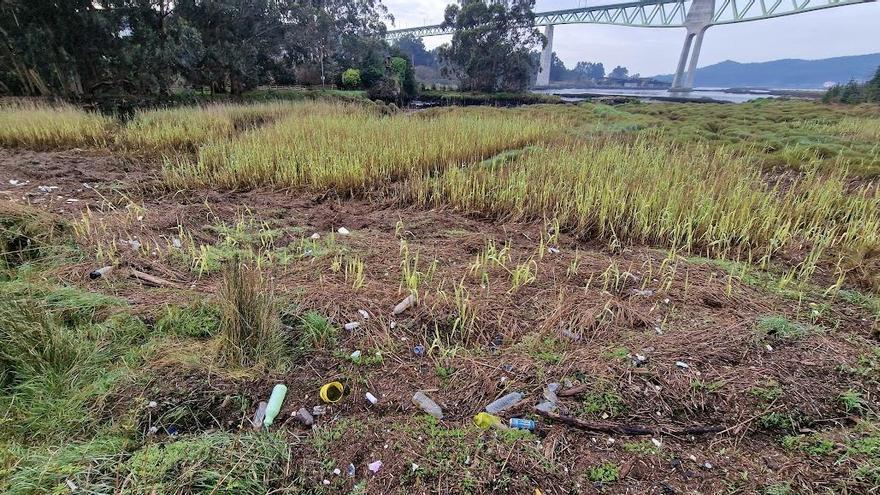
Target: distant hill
[785,73]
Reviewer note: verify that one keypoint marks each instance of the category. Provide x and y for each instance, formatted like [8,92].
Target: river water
[697,94]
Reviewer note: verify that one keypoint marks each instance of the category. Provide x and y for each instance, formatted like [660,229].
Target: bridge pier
[546,58]
[698,20]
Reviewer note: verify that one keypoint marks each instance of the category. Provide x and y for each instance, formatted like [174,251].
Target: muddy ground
[590,311]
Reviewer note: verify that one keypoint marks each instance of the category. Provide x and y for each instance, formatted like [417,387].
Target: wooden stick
[148,279]
[573,391]
[622,429]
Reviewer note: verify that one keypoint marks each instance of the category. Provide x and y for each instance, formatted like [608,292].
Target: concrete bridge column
[692,67]
[546,58]
[699,19]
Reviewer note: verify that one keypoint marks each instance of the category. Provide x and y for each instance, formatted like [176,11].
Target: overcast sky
[849,30]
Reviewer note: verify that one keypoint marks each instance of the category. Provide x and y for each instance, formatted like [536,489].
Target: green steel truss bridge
[694,15]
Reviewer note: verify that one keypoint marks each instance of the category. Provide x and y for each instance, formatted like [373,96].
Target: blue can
[522,424]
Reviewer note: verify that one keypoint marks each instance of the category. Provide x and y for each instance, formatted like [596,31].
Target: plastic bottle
[486,421]
[259,415]
[275,401]
[522,424]
[504,403]
[100,272]
[427,405]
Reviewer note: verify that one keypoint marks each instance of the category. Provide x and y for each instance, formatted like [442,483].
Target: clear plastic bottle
[427,405]
[504,403]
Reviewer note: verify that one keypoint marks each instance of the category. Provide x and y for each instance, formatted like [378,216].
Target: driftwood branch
[152,280]
[623,429]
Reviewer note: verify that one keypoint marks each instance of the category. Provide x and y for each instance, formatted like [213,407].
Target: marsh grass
[28,234]
[250,325]
[186,128]
[62,351]
[352,149]
[45,127]
[649,190]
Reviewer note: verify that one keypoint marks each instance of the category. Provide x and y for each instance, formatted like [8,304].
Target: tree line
[90,48]
[78,48]
[853,92]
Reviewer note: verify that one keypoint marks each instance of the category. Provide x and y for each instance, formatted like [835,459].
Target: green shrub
[351,78]
[604,473]
[386,89]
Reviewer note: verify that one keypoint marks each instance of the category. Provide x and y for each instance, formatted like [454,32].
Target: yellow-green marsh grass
[43,127]
[351,148]
[185,128]
[654,192]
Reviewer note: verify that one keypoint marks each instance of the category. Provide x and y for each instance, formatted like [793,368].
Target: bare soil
[560,328]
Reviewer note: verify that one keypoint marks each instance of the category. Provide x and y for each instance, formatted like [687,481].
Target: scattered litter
[275,401]
[153,404]
[100,272]
[315,236]
[71,485]
[666,301]
[682,364]
[639,360]
[769,348]
[372,398]
[504,403]
[304,417]
[172,430]
[427,405]
[707,465]
[259,415]
[571,335]
[326,482]
[15,182]
[553,250]
[355,355]
[550,392]
[404,305]
[47,189]
[176,243]
[134,244]
[319,410]
[364,314]
[152,431]
[337,472]
[549,405]
[72,200]
[415,467]
[642,292]
[656,443]
[392,325]
[351,470]
[522,424]
[658,331]
[352,325]
[485,421]
[343,231]
[419,350]
[331,392]
[374,466]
